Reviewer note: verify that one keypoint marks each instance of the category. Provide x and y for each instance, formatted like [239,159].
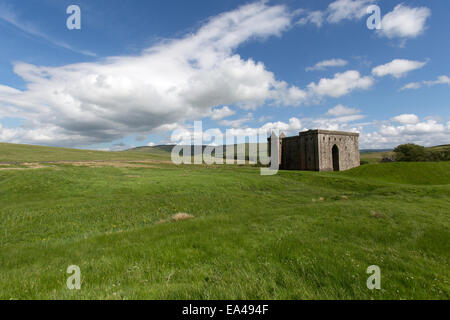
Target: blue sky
[139,70]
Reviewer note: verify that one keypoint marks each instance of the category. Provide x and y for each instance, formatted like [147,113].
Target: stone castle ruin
[319,150]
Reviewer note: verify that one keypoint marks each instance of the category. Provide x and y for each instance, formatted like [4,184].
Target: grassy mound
[416,173]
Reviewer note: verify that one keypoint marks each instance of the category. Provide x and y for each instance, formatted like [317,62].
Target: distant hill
[169,147]
[374,150]
[153,149]
[15,153]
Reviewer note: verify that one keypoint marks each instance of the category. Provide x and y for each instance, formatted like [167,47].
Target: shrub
[410,152]
[388,158]
[414,153]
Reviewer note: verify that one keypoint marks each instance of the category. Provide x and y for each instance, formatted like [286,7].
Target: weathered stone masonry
[319,150]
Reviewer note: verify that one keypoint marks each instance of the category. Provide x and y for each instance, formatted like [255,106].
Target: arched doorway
[335,158]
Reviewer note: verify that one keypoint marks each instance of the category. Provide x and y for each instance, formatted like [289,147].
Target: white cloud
[314,17]
[406,119]
[411,85]
[168,84]
[220,113]
[341,110]
[397,68]
[345,123]
[341,84]
[407,129]
[292,127]
[404,22]
[238,122]
[322,65]
[347,10]
[184,135]
[440,80]
[339,118]
[418,85]
[400,129]
[264,118]
[429,126]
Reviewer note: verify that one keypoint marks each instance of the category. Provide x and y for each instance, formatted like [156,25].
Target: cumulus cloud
[406,119]
[220,113]
[397,68]
[418,85]
[341,110]
[341,84]
[339,118]
[347,10]
[172,82]
[322,65]
[407,128]
[440,80]
[404,22]
[404,128]
[237,122]
[162,88]
[290,128]
[419,128]
[185,135]
[411,85]
[313,17]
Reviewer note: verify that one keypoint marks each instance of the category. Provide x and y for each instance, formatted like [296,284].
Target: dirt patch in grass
[92,164]
[181,216]
[23,166]
[100,164]
[114,163]
[377,215]
[178,217]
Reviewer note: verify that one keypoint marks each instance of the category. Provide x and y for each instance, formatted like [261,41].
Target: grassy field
[296,235]
[374,157]
[19,153]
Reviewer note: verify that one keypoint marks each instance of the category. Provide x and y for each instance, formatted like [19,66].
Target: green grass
[418,173]
[374,157]
[252,237]
[16,153]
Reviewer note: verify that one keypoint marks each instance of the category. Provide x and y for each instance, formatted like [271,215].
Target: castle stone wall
[313,151]
[347,145]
